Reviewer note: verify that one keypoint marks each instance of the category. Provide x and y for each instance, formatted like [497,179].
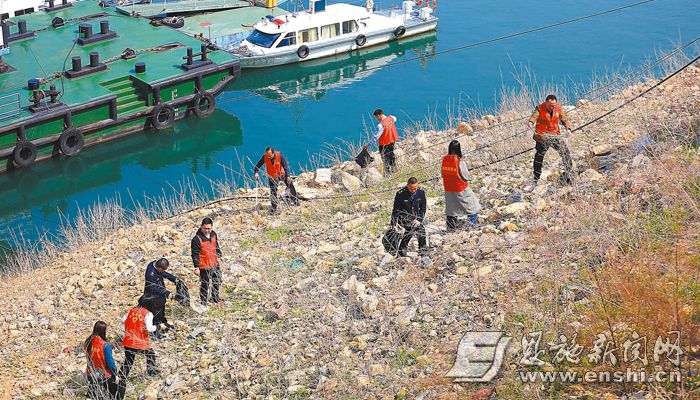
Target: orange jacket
[136,336]
[389,135]
[451,179]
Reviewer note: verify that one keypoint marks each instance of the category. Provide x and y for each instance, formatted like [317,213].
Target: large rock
[372,176]
[464,128]
[590,175]
[347,181]
[514,209]
[601,150]
[322,177]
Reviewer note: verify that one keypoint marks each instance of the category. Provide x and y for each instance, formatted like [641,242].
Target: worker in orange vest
[386,137]
[205,257]
[277,169]
[460,200]
[138,323]
[103,380]
[546,119]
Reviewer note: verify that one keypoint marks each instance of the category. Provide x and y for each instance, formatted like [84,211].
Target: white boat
[324,31]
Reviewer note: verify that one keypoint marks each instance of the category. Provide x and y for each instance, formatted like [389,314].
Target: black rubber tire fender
[360,40]
[162,116]
[203,98]
[303,51]
[400,31]
[71,142]
[24,154]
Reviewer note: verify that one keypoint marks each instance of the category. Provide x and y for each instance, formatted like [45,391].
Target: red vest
[389,135]
[274,169]
[96,358]
[136,336]
[545,123]
[451,180]
[207,253]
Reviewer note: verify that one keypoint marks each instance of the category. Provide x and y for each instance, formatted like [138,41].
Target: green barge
[84,74]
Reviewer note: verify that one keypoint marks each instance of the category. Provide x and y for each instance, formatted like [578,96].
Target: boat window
[262,39]
[329,31]
[289,39]
[308,35]
[349,26]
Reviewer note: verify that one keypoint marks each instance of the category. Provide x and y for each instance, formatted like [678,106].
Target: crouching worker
[410,205]
[156,293]
[101,371]
[460,200]
[138,323]
[277,168]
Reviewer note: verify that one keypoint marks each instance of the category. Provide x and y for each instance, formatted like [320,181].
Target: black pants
[410,232]
[274,182]
[558,145]
[206,276]
[130,355]
[103,390]
[388,158]
[159,311]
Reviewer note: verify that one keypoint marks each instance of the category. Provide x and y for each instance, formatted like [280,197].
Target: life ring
[398,32]
[303,51]
[174,22]
[360,40]
[162,116]
[71,142]
[24,154]
[203,99]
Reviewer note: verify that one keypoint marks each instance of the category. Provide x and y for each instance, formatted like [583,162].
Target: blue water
[334,110]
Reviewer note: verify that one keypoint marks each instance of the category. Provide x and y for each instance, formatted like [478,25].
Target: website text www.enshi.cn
[628,376]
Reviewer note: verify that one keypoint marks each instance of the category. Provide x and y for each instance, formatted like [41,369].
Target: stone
[421,140]
[369,304]
[507,226]
[601,150]
[462,270]
[372,176]
[380,281]
[322,177]
[590,175]
[377,369]
[404,317]
[346,180]
[514,208]
[483,271]
[328,248]
[464,128]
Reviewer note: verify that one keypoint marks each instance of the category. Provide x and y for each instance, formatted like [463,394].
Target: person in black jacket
[205,257]
[277,169]
[155,291]
[409,210]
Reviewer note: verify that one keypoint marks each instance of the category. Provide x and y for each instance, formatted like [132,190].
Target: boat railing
[10,107]
[230,42]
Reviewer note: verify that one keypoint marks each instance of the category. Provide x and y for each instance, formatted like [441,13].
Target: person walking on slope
[155,292]
[386,137]
[205,257]
[410,205]
[546,119]
[277,169]
[460,200]
[138,323]
[103,379]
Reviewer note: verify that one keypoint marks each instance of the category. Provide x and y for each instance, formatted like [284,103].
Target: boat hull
[340,46]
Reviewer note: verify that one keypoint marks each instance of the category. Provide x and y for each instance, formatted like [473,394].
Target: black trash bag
[391,240]
[364,158]
[182,294]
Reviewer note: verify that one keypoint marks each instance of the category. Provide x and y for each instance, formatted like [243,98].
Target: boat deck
[225,23]
[170,7]
[50,52]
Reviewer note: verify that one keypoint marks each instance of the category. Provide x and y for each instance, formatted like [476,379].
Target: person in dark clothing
[409,210]
[156,292]
[277,169]
[205,257]
[103,378]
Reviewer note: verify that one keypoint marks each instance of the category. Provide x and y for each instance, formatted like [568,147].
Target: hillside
[314,308]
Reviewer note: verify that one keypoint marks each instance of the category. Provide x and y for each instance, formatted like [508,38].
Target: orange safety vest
[136,336]
[389,135]
[97,356]
[545,123]
[207,253]
[274,169]
[451,180]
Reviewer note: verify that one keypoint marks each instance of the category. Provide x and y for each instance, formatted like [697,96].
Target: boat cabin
[296,29]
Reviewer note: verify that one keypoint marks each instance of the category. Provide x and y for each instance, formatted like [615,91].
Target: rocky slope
[314,308]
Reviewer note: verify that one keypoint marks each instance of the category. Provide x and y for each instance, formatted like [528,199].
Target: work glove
[196,271]
[415,223]
[288,180]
